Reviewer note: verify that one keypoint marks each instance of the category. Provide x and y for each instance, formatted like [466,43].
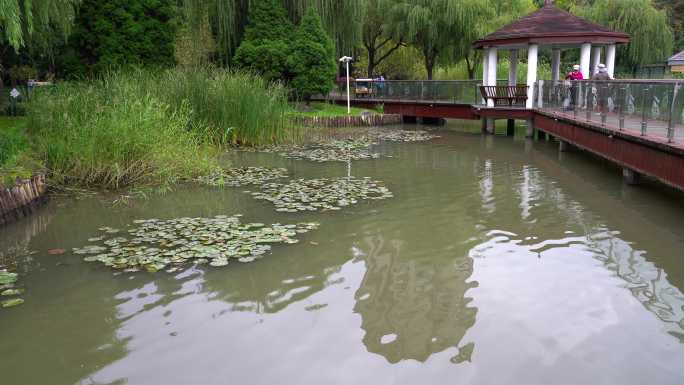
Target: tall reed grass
[233,107]
[145,126]
[114,132]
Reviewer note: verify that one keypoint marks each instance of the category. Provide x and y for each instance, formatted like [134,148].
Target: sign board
[14,93]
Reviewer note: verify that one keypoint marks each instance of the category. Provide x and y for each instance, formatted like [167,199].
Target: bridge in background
[637,124]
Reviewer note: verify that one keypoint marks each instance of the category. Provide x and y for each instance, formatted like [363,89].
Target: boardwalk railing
[645,107]
[448,91]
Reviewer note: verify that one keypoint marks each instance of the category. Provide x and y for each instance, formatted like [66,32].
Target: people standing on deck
[571,77]
[602,75]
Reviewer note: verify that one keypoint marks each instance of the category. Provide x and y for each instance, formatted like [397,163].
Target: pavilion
[554,29]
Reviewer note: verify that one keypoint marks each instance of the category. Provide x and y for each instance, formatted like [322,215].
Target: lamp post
[346,60]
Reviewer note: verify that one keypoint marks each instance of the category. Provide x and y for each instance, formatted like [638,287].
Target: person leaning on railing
[570,78]
[602,75]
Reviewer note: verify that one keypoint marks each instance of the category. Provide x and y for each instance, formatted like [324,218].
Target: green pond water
[497,262]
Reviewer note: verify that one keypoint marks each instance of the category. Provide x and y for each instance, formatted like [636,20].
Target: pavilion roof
[677,59]
[550,25]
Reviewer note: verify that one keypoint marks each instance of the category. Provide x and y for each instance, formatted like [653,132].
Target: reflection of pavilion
[412,308]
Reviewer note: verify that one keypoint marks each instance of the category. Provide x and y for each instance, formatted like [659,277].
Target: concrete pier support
[510,127]
[630,176]
[564,146]
[490,126]
[529,130]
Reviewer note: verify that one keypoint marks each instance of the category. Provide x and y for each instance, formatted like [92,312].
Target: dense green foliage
[266,44]
[312,61]
[114,132]
[112,33]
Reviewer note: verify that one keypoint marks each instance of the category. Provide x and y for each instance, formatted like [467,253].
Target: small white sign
[14,93]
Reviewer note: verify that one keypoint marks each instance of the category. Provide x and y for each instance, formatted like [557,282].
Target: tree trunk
[371,62]
[430,63]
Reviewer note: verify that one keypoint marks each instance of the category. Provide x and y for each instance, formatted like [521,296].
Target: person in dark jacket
[602,76]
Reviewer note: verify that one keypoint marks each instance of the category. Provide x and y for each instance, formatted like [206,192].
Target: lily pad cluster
[242,176]
[406,136]
[7,289]
[321,194]
[154,244]
[331,151]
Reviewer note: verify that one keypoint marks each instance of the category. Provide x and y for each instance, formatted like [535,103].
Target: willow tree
[651,35]
[22,20]
[341,19]
[378,37]
[433,26]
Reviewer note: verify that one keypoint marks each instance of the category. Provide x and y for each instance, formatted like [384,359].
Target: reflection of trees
[421,302]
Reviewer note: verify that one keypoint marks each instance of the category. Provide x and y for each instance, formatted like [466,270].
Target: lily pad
[11,302]
[321,194]
[153,245]
[236,177]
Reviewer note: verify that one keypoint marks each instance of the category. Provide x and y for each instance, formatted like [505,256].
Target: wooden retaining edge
[348,121]
[20,200]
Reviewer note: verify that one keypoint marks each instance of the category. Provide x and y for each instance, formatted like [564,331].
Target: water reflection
[421,304]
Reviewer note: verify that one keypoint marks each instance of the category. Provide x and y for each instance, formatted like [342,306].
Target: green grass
[328,110]
[13,150]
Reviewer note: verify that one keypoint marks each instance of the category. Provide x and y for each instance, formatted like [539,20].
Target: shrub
[312,62]
[265,45]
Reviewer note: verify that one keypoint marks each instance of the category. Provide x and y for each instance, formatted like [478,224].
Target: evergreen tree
[312,61]
[265,45]
[112,33]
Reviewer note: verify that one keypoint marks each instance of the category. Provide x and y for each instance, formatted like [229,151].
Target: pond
[497,261]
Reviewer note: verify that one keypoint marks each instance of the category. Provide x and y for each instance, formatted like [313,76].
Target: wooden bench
[505,95]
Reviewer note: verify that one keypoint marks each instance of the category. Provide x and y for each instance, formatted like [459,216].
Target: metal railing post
[588,101]
[622,96]
[644,102]
[576,98]
[670,124]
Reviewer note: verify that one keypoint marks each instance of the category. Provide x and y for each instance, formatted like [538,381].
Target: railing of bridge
[645,107]
[448,91]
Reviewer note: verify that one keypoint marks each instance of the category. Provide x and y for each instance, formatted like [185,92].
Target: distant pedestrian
[571,78]
[602,76]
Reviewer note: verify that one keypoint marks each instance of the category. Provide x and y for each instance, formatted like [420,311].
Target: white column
[491,69]
[595,59]
[513,67]
[485,62]
[555,65]
[585,53]
[610,60]
[532,52]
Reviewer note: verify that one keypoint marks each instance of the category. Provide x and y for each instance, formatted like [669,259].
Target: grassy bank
[327,110]
[13,149]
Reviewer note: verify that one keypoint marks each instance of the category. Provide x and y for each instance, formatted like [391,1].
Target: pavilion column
[491,70]
[555,65]
[610,60]
[532,52]
[595,59]
[485,69]
[513,67]
[585,53]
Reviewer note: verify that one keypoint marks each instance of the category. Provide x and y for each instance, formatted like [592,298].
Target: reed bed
[144,126]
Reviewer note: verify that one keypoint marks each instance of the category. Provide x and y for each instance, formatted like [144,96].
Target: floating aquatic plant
[329,151]
[321,194]
[235,177]
[154,244]
[406,136]
[7,282]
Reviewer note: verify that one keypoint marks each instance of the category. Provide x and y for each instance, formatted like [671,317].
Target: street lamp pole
[346,60]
